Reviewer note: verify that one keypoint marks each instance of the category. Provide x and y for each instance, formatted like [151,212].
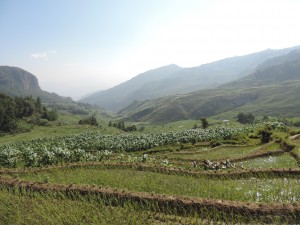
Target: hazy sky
[79,46]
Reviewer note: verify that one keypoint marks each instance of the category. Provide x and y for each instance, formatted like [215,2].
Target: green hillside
[172,80]
[273,89]
[273,71]
[120,96]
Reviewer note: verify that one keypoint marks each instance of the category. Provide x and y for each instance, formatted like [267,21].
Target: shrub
[265,134]
[90,120]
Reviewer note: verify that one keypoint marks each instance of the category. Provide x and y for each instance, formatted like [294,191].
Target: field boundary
[197,151]
[238,159]
[238,174]
[181,205]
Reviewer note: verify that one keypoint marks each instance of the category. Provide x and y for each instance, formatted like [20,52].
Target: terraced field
[177,183]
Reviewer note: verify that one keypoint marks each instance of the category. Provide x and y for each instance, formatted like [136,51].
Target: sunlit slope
[172,80]
[273,89]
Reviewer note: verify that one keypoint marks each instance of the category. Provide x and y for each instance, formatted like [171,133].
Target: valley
[160,148]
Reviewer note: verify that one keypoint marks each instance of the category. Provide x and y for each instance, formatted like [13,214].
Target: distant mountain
[272,89]
[171,80]
[123,94]
[18,82]
[272,71]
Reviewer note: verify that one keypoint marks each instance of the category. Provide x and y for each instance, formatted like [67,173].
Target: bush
[51,115]
[90,121]
[215,144]
[245,118]
[265,134]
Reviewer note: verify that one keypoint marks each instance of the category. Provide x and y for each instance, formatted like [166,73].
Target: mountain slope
[273,89]
[18,82]
[273,71]
[175,80]
[121,95]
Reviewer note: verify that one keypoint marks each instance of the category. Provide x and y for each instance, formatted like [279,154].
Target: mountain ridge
[271,90]
[118,97]
[182,80]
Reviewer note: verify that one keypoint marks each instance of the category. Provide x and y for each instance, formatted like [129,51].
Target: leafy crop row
[93,146]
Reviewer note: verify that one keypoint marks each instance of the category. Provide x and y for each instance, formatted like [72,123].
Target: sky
[76,47]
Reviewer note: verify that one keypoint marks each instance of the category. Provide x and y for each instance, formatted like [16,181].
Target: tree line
[121,125]
[13,109]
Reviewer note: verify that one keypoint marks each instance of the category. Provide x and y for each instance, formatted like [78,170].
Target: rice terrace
[161,112]
[200,176]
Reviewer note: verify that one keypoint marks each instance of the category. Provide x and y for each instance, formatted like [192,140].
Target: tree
[52,115]
[121,125]
[8,119]
[90,120]
[266,118]
[266,134]
[39,104]
[245,118]
[131,128]
[204,123]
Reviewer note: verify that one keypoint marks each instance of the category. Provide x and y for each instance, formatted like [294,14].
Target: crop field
[179,177]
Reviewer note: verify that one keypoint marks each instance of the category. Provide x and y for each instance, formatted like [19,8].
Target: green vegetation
[158,160]
[90,146]
[271,90]
[121,125]
[148,178]
[284,161]
[14,109]
[218,153]
[245,118]
[253,190]
[25,209]
[89,120]
[204,123]
[173,80]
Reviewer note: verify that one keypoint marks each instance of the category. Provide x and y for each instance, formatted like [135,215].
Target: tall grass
[283,161]
[281,190]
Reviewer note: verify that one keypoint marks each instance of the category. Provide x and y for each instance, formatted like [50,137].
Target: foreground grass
[281,190]
[49,209]
[56,208]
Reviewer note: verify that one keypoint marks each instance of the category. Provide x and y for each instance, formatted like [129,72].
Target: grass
[55,131]
[49,209]
[217,154]
[172,126]
[283,161]
[285,190]
[57,208]
[182,125]
[269,147]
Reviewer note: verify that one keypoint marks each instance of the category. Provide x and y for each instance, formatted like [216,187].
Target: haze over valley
[83,47]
